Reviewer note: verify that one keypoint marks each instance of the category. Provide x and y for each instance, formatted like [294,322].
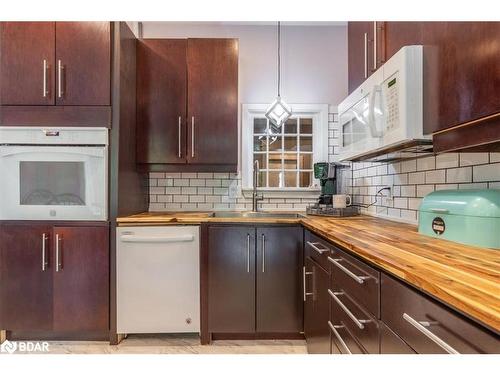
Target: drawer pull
[337,334]
[315,247]
[359,322]
[421,327]
[304,274]
[359,279]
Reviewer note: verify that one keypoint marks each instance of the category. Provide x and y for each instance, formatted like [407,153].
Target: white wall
[314,58]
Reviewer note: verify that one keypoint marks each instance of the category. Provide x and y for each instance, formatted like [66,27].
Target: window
[285,155]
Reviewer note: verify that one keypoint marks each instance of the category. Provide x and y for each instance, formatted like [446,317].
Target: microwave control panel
[392,102]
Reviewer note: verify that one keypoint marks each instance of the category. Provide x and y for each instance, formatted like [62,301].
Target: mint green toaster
[471,217]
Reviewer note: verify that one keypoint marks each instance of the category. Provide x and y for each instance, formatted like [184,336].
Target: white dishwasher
[158,279]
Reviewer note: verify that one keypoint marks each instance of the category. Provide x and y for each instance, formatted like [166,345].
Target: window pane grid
[285,158]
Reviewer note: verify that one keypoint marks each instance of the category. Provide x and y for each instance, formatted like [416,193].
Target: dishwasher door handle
[156,239]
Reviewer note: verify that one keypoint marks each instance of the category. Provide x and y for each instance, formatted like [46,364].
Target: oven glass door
[53,182]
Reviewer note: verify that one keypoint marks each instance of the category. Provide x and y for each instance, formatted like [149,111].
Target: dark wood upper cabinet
[231,279]
[81,280]
[161,101]
[279,304]
[316,308]
[461,73]
[27,70]
[396,35]
[83,63]
[212,101]
[25,281]
[358,36]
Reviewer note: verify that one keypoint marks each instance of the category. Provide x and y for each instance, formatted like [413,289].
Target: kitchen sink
[256,215]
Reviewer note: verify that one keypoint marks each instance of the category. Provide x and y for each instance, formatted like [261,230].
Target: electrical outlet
[387,193]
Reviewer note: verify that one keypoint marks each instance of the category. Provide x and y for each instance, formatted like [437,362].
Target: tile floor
[179,344]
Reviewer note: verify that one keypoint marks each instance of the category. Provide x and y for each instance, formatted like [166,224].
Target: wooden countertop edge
[397,269]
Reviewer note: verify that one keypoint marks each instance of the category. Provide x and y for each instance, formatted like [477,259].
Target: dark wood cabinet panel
[390,343]
[24,46]
[25,288]
[83,49]
[316,308]
[279,304]
[212,101]
[161,101]
[81,282]
[396,35]
[462,73]
[231,279]
[359,53]
[415,313]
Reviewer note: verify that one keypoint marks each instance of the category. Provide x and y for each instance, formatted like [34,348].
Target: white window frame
[319,114]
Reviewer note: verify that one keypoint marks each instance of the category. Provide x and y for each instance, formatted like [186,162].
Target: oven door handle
[98,151]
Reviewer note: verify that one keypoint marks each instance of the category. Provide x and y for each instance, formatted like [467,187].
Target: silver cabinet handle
[180,133]
[59,79]
[263,253]
[45,67]
[192,136]
[315,247]
[304,274]
[366,54]
[374,45]
[248,253]
[337,335]
[44,251]
[421,327]
[359,322]
[359,279]
[58,255]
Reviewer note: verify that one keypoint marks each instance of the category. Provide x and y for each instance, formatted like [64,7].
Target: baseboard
[57,336]
[258,336]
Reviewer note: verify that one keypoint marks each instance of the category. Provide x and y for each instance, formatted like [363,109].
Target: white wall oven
[53,173]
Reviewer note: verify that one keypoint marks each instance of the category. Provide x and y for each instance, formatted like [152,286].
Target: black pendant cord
[279,57]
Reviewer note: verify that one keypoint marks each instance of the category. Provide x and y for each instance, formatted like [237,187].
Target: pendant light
[278,112]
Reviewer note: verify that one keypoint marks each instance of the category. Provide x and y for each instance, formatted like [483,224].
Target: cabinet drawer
[342,341]
[362,326]
[317,249]
[390,343]
[429,327]
[358,280]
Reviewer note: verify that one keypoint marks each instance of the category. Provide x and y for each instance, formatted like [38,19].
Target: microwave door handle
[371,114]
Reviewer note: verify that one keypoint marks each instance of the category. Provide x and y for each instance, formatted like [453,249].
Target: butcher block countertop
[465,278]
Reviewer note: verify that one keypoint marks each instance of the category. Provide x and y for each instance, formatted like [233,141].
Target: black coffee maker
[327,175]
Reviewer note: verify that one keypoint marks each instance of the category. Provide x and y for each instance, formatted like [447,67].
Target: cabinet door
[316,308]
[81,280]
[231,279]
[359,52]
[462,73]
[25,281]
[27,51]
[161,101]
[390,343]
[400,34]
[279,305]
[212,101]
[83,63]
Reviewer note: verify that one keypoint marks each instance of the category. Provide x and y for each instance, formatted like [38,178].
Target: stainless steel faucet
[255,196]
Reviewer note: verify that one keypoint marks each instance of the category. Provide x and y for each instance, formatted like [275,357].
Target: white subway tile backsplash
[473,158]
[487,172]
[447,160]
[494,157]
[437,176]
[463,174]
[427,163]
[416,178]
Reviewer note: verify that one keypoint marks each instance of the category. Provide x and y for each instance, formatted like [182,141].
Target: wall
[414,179]
[314,70]
[211,191]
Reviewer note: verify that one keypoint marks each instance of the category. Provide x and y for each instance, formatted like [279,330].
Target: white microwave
[385,113]
[53,173]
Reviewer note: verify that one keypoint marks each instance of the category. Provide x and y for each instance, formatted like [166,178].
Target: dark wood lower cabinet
[390,343]
[253,281]
[231,279]
[54,280]
[279,306]
[25,284]
[81,284]
[316,308]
